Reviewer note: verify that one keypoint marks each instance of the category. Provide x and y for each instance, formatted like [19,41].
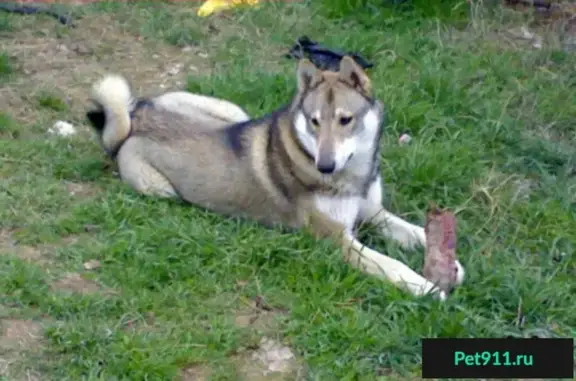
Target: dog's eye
[315,122]
[345,120]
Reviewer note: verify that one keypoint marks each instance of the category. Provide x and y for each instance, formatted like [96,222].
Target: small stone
[92,265]
[404,139]
[275,356]
[175,69]
[62,128]
[526,34]
[537,42]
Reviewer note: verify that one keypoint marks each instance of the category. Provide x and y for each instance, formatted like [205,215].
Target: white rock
[526,34]
[537,42]
[274,356]
[175,69]
[92,265]
[62,128]
[404,139]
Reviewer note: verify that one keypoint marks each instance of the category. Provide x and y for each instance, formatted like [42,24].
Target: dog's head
[336,118]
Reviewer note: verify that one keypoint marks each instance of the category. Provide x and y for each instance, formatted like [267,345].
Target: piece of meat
[440,257]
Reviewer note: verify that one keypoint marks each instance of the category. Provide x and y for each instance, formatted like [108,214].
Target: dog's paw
[412,239]
[438,294]
[424,287]
[460,274]
[441,295]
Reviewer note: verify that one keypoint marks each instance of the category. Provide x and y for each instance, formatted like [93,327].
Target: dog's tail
[111,121]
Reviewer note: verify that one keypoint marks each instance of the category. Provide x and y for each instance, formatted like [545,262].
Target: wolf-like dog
[313,163]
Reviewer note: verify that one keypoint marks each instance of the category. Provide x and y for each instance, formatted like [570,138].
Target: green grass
[493,138]
[5,24]
[51,102]
[8,128]
[6,67]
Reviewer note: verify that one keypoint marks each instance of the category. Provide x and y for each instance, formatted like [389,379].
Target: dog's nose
[326,167]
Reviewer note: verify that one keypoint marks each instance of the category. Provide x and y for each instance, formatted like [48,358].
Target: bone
[440,258]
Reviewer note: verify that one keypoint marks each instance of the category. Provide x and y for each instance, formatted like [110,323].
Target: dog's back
[205,164]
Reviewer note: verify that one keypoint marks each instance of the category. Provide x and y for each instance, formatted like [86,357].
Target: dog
[312,164]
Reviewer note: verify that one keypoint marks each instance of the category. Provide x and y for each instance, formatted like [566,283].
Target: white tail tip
[112,89]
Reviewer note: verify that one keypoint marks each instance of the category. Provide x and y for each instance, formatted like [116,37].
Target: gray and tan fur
[311,164]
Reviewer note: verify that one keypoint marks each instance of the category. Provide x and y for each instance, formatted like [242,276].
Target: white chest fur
[343,209]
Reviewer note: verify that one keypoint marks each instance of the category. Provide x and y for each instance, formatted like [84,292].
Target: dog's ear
[307,74]
[351,73]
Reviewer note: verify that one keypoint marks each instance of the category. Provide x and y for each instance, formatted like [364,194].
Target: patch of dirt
[523,27]
[75,283]
[257,314]
[9,245]
[82,189]
[259,320]
[20,334]
[18,338]
[40,254]
[195,373]
[68,65]
[272,361]
[269,360]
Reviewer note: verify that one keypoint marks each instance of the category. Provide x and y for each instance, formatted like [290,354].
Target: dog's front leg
[383,266]
[335,218]
[371,211]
